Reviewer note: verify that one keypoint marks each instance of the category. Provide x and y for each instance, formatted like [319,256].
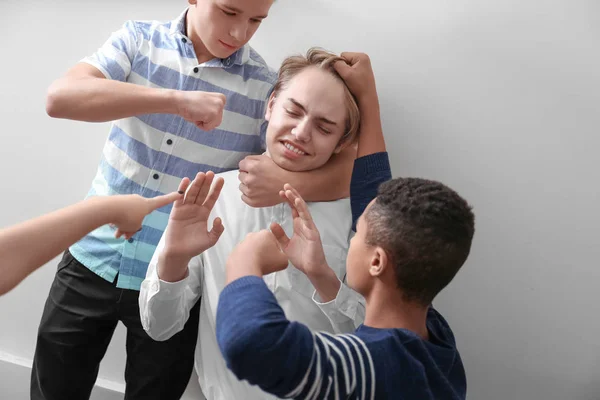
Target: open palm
[187,233]
[304,248]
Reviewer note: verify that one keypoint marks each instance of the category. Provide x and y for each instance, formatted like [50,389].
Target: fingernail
[180,191]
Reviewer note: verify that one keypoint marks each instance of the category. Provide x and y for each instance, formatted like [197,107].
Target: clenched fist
[204,109]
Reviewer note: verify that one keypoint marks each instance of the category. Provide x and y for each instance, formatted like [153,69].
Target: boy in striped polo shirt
[412,238]
[185,96]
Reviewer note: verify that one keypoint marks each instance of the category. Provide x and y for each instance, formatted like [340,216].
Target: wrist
[172,99]
[172,267]
[236,269]
[319,271]
[368,100]
[109,210]
[326,283]
[174,256]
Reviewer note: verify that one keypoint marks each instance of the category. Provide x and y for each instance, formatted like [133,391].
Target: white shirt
[164,306]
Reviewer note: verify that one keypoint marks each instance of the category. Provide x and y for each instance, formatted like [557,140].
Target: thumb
[161,201]
[277,257]
[280,235]
[217,230]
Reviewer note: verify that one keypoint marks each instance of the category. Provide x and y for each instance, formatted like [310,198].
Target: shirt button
[155,176]
[196,69]
[155,286]
[169,142]
[130,240]
[184,40]
[227,62]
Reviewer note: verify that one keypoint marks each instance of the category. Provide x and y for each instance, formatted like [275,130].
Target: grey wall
[498,99]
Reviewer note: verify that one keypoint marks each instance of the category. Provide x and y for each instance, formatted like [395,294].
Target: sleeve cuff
[339,309]
[372,163]
[168,290]
[243,283]
[90,60]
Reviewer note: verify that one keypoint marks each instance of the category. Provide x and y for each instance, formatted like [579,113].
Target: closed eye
[292,113]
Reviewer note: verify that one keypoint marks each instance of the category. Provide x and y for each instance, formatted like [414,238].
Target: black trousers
[79,318]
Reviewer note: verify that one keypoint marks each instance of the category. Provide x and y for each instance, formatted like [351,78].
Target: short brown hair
[322,59]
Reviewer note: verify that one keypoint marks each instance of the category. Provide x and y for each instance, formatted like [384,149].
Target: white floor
[15,374]
[14,384]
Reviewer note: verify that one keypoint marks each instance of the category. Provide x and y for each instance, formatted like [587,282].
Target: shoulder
[439,327]
[149,28]
[260,66]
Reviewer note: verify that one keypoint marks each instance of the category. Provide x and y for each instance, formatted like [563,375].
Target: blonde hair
[322,59]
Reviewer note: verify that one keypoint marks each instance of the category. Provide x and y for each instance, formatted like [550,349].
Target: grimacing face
[307,119]
[224,26]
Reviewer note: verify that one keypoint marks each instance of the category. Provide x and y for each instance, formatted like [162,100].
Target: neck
[202,53]
[387,310]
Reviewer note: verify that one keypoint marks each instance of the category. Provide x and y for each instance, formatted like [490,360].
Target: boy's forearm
[236,271]
[326,283]
[371,139]
[95,99]
[165,308]
[29,245]
[258,343]
[172,268]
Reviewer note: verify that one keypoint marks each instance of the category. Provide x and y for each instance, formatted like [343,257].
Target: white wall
[497,99]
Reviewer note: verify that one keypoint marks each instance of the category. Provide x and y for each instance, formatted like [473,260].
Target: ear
[270,105]
[344,144]
[379,262]
[341,146]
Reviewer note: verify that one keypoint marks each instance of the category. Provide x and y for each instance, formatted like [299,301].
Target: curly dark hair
[426,229]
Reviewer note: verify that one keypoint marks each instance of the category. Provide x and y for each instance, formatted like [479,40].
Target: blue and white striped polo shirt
[149,154]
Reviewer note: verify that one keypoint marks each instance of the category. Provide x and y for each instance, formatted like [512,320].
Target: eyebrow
[297,104]
[237,10]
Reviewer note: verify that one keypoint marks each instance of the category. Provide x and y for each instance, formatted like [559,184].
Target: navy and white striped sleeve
[115,57]
[285,358]
[341,367]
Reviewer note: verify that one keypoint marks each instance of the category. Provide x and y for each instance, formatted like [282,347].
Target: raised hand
[358,74]
[304,249]
[187,233]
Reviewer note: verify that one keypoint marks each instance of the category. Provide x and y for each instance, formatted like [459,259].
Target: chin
[289,165]
[350,284]
[221,52]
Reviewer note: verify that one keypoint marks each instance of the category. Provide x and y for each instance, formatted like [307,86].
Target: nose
[239,31]
[302,131]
